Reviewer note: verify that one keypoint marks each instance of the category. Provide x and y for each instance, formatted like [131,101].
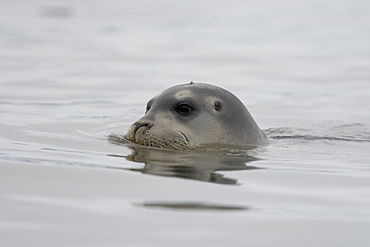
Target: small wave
[118,139]
[343,133]
[190,206]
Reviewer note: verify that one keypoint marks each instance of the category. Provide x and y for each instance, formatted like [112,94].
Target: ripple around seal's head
[324,143]
[205,148]
[354,132]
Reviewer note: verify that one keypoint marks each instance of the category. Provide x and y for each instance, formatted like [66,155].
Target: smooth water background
[74,72]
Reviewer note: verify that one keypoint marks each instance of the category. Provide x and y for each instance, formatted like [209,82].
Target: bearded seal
[193,115]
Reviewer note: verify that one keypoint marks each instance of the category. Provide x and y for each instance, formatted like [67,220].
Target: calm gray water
[74,74]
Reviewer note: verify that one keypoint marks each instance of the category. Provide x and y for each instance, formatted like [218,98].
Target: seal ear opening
[217,105]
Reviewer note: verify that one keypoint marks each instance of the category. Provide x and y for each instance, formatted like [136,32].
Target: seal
[193,115]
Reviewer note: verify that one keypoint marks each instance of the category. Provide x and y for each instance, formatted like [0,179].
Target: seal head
[196,114]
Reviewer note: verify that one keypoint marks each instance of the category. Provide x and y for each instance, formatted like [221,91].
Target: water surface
[74,73]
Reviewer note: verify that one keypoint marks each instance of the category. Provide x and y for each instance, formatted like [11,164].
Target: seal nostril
[138,125]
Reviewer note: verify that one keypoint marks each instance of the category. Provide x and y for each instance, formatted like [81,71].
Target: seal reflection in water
[202,165]
[193,115]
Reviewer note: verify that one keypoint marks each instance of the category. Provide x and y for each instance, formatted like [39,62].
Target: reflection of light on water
[190,206]
[202,165]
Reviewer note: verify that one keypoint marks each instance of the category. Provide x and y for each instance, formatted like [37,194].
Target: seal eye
[184,108]
[147,109]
